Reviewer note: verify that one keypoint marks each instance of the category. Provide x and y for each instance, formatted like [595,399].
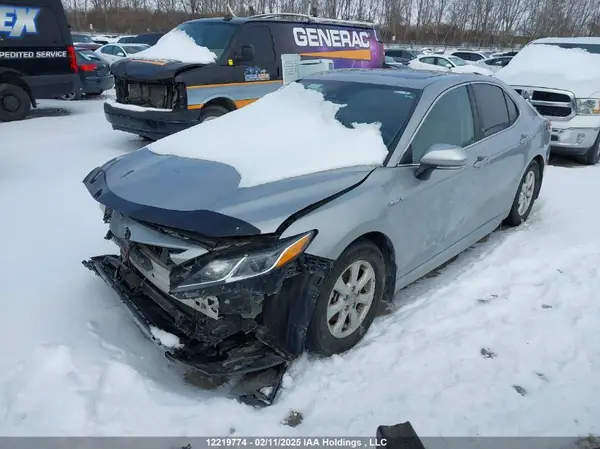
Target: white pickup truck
[560,77]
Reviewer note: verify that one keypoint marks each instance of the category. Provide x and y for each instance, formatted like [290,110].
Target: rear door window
[29,26]
[493,112]
[513,111]
[428,60]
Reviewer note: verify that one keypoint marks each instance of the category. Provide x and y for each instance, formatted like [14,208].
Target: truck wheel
[525,197]
[212,112]
[592,157]
[15,103]
[71,97]
[348,300]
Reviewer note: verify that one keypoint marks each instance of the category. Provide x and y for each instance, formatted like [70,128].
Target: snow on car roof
[549,60]
[177,45]
[290,132]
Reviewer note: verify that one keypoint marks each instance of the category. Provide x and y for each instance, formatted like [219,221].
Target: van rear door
[35,44]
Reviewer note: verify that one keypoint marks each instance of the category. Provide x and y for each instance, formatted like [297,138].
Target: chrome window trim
[434,102]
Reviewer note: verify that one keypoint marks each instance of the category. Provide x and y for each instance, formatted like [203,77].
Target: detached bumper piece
[228,347]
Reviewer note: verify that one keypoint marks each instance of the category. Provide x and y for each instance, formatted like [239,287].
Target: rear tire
[527,192]
[353,311]
[74,96]
[592,157]
[212,112]
[15,103]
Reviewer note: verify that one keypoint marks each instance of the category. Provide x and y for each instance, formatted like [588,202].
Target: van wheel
[212,112]
[15,103]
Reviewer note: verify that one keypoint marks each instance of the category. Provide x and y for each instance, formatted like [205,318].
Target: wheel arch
[14,77]
[385,245]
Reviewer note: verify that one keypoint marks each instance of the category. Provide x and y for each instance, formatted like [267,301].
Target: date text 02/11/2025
[299,442]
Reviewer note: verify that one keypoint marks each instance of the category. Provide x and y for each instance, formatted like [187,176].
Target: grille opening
[148,95]
[541,95]
[553,111]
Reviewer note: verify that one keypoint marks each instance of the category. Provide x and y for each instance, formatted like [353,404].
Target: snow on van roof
[290,132]
[177,45]
[537,62]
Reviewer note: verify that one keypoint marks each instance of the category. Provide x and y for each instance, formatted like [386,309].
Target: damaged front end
[239,306]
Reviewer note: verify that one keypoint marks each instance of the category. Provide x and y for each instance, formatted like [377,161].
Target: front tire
[592,156]
[349,300]
[15,103]
[212,112]
[526,195]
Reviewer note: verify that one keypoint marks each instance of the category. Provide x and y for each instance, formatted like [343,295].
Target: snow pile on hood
[552,66]
[290,132]
[177,45]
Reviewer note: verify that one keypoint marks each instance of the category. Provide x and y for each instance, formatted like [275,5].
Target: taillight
[88,67]
[72,58]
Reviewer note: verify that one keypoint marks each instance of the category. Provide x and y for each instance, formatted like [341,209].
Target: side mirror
[448,66]
[441,156]
[246,53]
[121,54]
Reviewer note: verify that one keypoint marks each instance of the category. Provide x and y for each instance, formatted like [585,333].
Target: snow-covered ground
[504,341]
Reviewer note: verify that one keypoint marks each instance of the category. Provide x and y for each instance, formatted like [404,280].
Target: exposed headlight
[246,266]
[588,106]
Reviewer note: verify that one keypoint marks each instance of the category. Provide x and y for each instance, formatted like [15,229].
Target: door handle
[523,138]
[480,161]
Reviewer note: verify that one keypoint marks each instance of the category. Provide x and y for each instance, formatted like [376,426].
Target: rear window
[591,48]
[29,26]
[88,56]
[82,39]
[391,106]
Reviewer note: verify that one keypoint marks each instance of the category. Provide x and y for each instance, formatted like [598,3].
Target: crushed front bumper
[152,124]
[242,352]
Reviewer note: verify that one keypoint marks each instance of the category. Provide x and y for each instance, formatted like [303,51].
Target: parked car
[36,60]
[245,64]
[401,55]
[94,74]
[470,55]
[247,269]
[85,41]
[115,52]
[494,64]
[566,94]
[447,64]
[125,39]
[392,64]
[505,53]
[144,38]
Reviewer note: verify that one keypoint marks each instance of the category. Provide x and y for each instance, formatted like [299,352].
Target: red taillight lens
[72,58]
[88,67]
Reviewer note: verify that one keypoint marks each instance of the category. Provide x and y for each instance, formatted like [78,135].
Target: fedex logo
[16,21]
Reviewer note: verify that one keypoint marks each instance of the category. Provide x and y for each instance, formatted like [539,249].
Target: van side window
[260,37]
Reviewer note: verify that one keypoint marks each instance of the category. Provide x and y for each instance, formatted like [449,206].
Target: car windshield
[591,48]
[82,38]
[131,49]
[457,61]
[392,106]
[213,35]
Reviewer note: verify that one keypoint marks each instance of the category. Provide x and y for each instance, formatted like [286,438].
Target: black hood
[150,70]
[204,196]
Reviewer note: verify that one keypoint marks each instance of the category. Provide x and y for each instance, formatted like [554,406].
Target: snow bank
[552,66]
[288,133]
[177,45]
[166,339]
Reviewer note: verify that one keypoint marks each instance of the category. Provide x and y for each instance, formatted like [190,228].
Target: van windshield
[213,35]
[591,48]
